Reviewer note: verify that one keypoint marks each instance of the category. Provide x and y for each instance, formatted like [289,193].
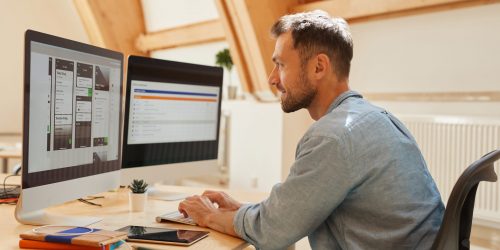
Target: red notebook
[34,244]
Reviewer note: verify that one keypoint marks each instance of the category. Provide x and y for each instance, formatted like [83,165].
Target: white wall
[255,144]
[262,143]
[164,14]
[201,54]
[57,17]
[444,51]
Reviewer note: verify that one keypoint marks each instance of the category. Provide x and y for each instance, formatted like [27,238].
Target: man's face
[290,76]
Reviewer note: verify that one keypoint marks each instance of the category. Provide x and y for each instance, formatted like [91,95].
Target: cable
[4,180]
[10,193]
[86,201]
[94,197]
[6,197]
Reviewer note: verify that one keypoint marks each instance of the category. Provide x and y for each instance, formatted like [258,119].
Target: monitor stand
[157,194]
[41,217]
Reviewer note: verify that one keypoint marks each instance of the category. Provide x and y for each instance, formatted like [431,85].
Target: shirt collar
[342,97]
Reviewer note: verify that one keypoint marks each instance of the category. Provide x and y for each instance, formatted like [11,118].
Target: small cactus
[138,186]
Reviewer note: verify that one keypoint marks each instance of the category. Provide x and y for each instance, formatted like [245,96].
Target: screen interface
[74,108]
[162,112]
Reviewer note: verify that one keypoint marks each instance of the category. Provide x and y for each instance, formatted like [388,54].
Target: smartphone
[163,235]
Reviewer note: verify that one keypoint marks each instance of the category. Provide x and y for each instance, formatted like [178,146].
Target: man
[359,180]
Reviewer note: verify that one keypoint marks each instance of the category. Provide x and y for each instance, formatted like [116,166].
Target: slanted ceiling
[244,24]
[113,24]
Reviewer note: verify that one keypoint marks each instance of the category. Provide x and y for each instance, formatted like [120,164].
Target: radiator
[449,145]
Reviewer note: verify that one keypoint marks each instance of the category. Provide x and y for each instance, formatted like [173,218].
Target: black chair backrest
[455,230]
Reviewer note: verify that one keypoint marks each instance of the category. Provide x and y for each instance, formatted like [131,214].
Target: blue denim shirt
[359,181]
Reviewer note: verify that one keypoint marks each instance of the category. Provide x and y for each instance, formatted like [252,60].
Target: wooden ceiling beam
[235,47]
[192,34]
[247,24]
[113,24]
[368,10]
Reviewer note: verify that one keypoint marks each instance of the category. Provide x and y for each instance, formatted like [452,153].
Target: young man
[359,180]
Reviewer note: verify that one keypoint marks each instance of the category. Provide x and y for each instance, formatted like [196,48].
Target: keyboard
[175,216]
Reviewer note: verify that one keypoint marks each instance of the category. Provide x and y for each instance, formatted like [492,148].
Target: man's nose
[273,79]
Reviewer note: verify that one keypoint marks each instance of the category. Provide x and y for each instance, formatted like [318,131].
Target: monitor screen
[172,112]
[164,112]
[72,110]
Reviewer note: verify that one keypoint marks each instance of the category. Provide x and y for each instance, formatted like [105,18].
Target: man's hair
[316,32]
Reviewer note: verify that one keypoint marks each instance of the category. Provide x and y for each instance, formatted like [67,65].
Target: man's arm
[222,222]
[319,181]
[202,210]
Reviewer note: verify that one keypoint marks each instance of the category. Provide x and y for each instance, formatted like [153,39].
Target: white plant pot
[137,202]
[231,92]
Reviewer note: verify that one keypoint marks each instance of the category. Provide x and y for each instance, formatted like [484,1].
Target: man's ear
[322,66]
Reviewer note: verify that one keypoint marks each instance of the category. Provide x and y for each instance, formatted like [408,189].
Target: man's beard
[300,97]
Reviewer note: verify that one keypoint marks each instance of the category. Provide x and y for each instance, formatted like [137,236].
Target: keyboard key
[175,216]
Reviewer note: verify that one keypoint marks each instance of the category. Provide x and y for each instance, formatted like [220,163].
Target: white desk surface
[115,214]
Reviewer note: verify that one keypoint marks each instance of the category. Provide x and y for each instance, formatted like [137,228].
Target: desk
[115,215]
[9,154]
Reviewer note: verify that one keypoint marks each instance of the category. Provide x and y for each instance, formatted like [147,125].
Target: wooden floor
[485,238]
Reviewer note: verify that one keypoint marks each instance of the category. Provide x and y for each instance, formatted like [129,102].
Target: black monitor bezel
[157,70]
[35,179]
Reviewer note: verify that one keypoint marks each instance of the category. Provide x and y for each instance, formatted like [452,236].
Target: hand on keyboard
[222,200]
[175,216]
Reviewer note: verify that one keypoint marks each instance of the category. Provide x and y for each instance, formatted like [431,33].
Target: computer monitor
[172,116]
[71,128]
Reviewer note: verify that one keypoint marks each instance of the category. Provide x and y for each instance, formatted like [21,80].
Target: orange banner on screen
[152,97]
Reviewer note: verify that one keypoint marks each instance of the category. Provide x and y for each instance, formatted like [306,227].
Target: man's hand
[198,208]
[204,212]
[225,202]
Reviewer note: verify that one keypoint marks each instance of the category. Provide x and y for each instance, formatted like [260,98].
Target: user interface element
[74,108]
[163,112]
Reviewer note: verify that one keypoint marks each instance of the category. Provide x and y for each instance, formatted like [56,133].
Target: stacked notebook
[65,237]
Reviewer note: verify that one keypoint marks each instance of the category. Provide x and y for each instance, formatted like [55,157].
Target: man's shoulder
[341,121]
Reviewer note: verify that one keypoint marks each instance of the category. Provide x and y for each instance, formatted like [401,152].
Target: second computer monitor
[172,116]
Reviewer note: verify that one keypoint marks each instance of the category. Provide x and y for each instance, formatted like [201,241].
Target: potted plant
[223,59]
[138,196]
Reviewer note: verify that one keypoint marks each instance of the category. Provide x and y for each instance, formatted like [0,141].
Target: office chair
[455,229]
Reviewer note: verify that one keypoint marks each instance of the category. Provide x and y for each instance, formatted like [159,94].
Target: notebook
[97,238]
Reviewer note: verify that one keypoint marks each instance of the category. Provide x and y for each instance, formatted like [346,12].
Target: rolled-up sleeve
[319,181]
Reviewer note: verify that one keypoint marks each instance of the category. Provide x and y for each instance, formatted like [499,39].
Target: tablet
[163,235]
